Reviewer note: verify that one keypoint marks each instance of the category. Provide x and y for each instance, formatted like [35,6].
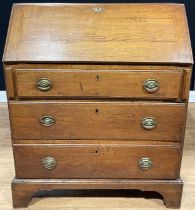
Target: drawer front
[98,83]
[97,161]
[97,120]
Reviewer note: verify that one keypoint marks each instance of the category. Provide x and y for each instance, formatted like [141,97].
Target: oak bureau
[97,97]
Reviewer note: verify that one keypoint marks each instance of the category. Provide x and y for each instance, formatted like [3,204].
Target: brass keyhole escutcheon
[49,163]
[98,9]
[145,163]
[44,84]
[151,85]
[47,121]
[148,123]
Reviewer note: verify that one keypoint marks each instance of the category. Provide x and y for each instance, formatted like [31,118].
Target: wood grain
[170,88]
[92,66]
[89,199]
[9,80]
[97,57]
[186,83]
[98,83]
[97,120]
[171,190]
[99,161]
[138,33]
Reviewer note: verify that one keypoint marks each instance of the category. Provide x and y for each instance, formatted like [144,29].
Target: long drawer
[155,84]
[97,161]
[97,120]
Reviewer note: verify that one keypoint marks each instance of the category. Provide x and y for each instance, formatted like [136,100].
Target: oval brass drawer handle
[49,163]
[47,121]
[145,163]
[149,123]
[44,84]
[151,85]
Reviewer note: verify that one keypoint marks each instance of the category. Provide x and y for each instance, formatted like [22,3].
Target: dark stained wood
[144,33]
[98,83]
[24,189]
[97,120]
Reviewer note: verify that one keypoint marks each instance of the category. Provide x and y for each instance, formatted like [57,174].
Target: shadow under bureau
[97,97]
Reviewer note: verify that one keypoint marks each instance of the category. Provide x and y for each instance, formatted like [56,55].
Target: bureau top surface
[112,33]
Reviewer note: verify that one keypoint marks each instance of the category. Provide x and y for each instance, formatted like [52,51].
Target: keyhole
[98,9]
[96,151]
[97,77]
[96,110]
